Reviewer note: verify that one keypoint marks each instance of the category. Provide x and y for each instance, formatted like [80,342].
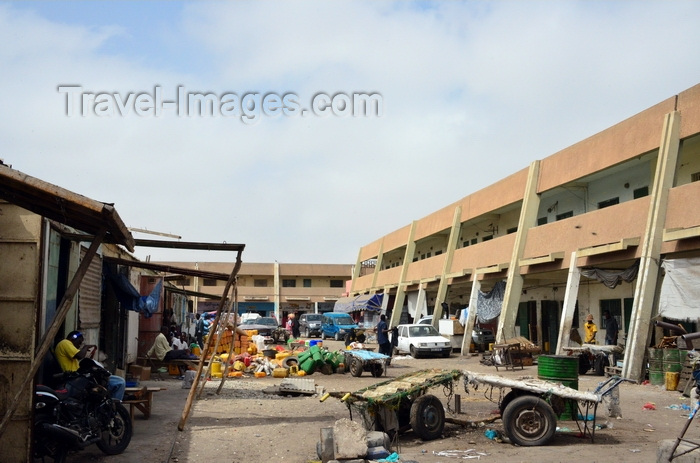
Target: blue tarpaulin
[370,302]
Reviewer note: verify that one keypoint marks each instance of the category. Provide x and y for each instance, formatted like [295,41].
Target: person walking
[199,331]
[382,330]
[296,331]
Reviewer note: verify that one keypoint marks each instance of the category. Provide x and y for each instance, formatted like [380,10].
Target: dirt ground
[245,425]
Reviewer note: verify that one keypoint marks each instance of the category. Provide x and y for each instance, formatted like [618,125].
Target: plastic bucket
[313,342]
[672,378]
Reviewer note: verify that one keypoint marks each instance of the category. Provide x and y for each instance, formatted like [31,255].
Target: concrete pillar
[276,293]
[514,284]
[647,278]
[471,317]
[570,297]
[447,265]
[401,290]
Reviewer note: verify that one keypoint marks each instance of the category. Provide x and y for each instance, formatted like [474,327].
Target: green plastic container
[657,378]
[560,369]
[308,365]
[669,367]
[656,354]
[303,356]
[671,355]
[316,353]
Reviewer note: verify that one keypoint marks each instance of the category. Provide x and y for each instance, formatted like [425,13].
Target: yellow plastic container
[216,369]
[672,378]
[251,333]
[282,355]
[217,375]
[235,374]
[280,373]
[260,374]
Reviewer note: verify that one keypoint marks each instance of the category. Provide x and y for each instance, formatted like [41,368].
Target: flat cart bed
[359,360]
[528,411]
[402,403]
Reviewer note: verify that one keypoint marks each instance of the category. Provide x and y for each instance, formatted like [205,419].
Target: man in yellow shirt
[590,330]
[71,350]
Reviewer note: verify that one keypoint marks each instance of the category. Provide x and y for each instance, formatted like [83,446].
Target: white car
[420,340]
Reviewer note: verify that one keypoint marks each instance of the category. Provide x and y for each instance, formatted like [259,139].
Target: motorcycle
[79,413]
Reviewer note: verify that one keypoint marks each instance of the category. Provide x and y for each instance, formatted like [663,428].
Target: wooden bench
[143,399]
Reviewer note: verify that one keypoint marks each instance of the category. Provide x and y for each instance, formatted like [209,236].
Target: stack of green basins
[656,366]
[672,362]
[560,369]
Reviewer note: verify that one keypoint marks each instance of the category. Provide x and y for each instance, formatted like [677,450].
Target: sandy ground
[245,425]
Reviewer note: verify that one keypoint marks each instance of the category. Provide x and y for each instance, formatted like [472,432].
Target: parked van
[335,325]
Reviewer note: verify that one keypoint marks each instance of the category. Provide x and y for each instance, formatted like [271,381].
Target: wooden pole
[195,383]
[50,334]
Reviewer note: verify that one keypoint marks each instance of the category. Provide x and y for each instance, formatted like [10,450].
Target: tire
[529,421]
[427,417]
[292,360]
[116,438]
[513,394]
[414,352]
[323,335]
[599,364]
[356,367]
[337,336]
[377,370]
[306,332]
[446,354]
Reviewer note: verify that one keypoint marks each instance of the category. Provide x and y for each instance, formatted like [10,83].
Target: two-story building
[584,230]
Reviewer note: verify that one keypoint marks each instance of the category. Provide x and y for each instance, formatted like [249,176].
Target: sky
[101,98]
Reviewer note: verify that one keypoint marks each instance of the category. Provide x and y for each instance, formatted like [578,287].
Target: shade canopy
[370,302]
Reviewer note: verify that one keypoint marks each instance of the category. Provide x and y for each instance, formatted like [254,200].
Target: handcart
[403,403]
[529,410]
[359,360]
[595,357]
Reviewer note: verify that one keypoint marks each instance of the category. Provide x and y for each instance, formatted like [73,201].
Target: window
[474,240]
[307,282]
[428,255]
[608,203]
[542,221]
[487,238]
[565,215]
[415,259]
[289,283]
[695,177]
[336,283]
[209,282]
[183,282]
[260,282]
[465,244]
[641,192]
[511,230]
[437,253]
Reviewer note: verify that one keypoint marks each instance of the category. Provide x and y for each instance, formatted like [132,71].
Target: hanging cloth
[612,278]
[488,305]
[679,298]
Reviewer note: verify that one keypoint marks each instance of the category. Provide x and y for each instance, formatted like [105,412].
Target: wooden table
[143,400]
[510,356]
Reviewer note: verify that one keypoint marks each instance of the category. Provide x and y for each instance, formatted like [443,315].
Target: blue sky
[471,92]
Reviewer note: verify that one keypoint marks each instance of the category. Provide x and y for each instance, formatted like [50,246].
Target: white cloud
[472,93]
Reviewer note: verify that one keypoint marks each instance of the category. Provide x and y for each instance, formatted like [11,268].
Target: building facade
[270,289]
[622,200]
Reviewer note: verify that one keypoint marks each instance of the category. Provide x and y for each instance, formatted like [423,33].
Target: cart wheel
[427,417]
[529,421]
[356,367]
[508,399]
[377,370]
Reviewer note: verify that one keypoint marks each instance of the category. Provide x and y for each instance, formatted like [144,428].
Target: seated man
[72,349]
[162,351]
